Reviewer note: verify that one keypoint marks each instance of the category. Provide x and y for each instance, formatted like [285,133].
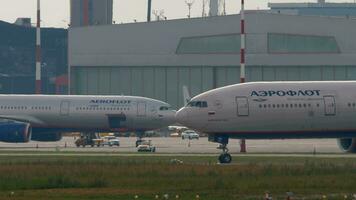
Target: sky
[55,13]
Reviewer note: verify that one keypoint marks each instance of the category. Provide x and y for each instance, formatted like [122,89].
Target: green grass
[113,177]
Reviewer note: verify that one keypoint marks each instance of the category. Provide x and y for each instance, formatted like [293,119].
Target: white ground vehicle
[190,134]
[146,146]
[111,141]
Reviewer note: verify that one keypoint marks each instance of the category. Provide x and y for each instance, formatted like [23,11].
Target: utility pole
[149,7]
[38,50]
[242,60]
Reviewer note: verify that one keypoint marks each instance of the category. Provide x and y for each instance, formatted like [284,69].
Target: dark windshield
[199,104]
[164,108]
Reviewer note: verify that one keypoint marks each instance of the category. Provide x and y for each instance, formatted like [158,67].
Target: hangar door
[242,106]
[330,106]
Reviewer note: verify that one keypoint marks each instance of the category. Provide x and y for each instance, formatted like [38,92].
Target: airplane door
[330,106]
[242,106]
[141,109]
[65,108]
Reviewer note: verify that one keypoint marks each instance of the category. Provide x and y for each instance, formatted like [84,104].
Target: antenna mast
[189,4]
[204,6]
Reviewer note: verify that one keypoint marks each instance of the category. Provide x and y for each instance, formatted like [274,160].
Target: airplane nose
[181,116]
[171,118]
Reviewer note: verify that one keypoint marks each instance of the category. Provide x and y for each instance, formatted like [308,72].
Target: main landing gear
[225,157]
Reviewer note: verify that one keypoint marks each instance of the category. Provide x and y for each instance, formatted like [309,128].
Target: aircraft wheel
[225,158]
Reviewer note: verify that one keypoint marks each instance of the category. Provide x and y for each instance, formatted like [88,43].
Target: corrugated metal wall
[165,83]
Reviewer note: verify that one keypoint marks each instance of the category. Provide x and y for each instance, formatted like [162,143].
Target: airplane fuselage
[267,110]
[87,113]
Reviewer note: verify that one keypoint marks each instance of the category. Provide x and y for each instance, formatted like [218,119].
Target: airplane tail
[186,95]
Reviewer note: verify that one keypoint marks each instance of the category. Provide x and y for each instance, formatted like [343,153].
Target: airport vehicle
[46,117]
[139,142]
[174,135]
[146,147]
[98,142]
[111,141]
[176,131]
[275,110]
[84,141]
[190,134]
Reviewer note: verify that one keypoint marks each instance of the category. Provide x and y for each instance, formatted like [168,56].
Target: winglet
[186,95]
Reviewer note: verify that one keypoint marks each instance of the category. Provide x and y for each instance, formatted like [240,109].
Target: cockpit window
[199,104]
[164,108]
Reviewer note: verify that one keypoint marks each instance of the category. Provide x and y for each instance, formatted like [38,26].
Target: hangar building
[156,59]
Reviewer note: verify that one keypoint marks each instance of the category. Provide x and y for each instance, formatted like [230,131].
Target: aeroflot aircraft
[45,118]
[275,110]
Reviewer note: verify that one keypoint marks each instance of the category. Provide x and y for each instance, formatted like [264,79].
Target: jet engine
[15,132]
[347,145]
[46,136]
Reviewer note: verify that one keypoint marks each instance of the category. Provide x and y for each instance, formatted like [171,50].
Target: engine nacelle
[14,132]
[348,145]
[46,136]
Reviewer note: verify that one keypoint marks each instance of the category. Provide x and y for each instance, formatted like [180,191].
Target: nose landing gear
[225,157]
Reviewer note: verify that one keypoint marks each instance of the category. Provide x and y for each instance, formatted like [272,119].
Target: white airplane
[45,117]
[275,110]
